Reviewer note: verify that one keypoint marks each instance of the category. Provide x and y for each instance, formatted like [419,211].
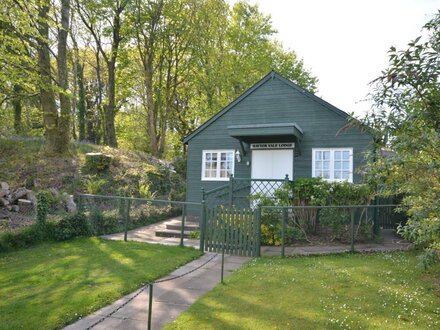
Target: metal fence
[343,224]
[112,214]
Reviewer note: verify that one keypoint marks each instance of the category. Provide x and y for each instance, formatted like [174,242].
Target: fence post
[202,222]
[258,230]
[231,190]
[150,305]
[80,203]
[223,253]
[352,229]
[182,229]
[283,233]
[126,217]
[376,228]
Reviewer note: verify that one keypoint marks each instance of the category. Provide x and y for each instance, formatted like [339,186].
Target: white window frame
[219,152]
[332,163]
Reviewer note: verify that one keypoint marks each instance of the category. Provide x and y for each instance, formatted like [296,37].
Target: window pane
[318,173]
[337,155]
[326,174]
[338,165]
[326,155]
[223,156]
[337,175]
[208,156]
[346,175]
[326,165]
[346,155]
[214,156]
[318,155]
[346,165]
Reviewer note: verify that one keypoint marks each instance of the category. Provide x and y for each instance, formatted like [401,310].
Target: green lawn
[53,284]
[377,291]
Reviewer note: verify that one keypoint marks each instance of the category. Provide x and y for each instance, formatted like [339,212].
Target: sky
[345,42]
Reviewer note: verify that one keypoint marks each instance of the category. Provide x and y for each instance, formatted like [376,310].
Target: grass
[377,291]
[54,284]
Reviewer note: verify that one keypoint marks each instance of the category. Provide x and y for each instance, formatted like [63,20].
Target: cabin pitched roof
[271,75]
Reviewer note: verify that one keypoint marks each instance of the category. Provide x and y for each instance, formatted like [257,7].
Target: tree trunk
[152,132]
[16,104]
[47,97]
[65,105]
[110,107]
[81,101]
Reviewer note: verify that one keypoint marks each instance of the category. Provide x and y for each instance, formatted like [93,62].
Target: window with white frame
[333,164]
[217,165]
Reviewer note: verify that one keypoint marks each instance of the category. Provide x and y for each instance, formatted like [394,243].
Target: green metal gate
[234,230]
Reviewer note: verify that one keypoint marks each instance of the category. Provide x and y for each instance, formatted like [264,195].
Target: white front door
[272,163]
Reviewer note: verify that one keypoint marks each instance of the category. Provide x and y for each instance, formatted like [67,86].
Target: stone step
[178,226]
[172,233]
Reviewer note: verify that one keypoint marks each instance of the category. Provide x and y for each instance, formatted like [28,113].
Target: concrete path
[169,298]
[148,234]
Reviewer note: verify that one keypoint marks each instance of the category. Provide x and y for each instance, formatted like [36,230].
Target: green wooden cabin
[273,129]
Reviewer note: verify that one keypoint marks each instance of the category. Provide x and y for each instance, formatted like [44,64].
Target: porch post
[202,222]
[231,191]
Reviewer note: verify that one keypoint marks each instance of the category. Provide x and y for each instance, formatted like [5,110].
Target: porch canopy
[274,132]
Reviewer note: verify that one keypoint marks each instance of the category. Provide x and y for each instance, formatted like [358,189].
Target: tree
[406,120]
[104,20]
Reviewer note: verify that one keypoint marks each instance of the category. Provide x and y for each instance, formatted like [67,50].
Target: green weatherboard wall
[274,100]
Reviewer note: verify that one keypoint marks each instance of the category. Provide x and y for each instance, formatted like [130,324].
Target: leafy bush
[94,185]
[71,226]
[429,258]
[303,221]
[102,223]
[27,236]
[336,220]
[194,234]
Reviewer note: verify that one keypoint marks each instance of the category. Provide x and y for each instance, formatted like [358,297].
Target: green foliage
[195,234]
[102,223]
[94,184]
[25,237]
[43,199]
[97,163]
[429,258]
[406,124]
[71,226]
[316,192]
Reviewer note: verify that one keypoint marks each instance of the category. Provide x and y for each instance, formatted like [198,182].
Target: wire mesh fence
[112,214]
[21,213]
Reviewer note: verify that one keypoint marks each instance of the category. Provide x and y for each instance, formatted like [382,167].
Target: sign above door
[280,145]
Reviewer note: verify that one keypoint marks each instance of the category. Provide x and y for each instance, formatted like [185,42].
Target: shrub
[194,234]
[102,223]
[71,226]
[24,237]
[94,185]
[429,258]
[337,221]
[315,192]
